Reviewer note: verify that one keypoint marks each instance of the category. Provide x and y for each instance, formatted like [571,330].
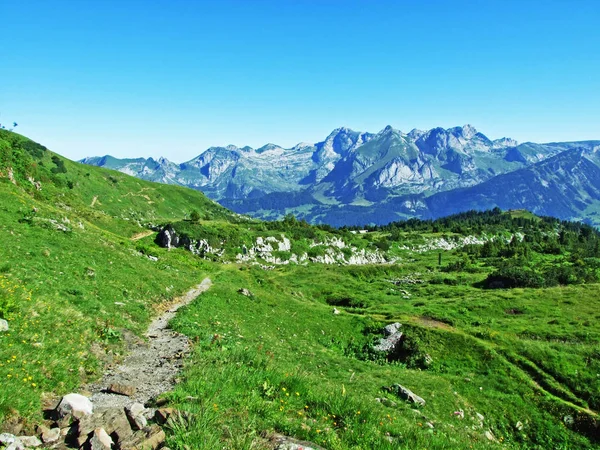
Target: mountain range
[355,178]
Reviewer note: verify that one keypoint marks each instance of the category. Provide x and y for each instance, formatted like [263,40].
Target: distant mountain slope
[353,177]
[565,186]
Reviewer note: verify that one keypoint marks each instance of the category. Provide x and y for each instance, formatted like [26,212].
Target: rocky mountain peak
[267,147]
[301,145]
[337,132]
[469,131]
[505,142]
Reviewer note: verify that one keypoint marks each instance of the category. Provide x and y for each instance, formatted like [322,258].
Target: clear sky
[173,77]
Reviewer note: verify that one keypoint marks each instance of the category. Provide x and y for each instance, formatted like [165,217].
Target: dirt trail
[151,367]
[143,234]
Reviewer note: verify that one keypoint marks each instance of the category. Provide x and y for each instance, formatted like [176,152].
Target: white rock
[136,409]
[17,445]
[7,438]
[135,413]
[100,440]
[490,436]
[3,325]
[75,404]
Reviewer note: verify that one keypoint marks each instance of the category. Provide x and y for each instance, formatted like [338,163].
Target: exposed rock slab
[288,443]
[406,394]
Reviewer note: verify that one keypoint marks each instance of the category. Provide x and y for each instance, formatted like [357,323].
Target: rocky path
[151,366]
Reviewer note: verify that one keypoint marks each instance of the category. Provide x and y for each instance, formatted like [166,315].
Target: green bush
[514,277]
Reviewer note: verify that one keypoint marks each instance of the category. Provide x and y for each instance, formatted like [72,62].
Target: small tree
[195,216]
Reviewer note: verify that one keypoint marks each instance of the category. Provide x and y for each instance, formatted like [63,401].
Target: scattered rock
[427,360]
[7,438]
[480,417]
[405,394]
[392,339]
[430,425]
[3,325]
[76,405]
[122,389]
[113,420]
[409,279]
[519,425]
[490,436]
[568,420]
[163,414]
[148,438]
[287,443]
[135,414]
[167,237]
[30,441]
[386,402]
[245,292]
[100,440]
[17,445]
[51,435]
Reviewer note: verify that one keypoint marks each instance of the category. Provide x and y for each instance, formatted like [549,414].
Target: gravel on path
[151,366]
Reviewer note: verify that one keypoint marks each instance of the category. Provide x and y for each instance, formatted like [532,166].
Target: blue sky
[171,78]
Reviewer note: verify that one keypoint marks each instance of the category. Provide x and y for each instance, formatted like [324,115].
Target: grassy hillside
[516,368]
[71,273]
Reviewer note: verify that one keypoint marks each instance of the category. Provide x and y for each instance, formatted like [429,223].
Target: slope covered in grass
[510,363]
[71,277]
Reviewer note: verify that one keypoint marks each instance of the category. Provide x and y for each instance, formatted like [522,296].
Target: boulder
[391,340]
[3,325]
[100,440]
[135,414]
[51,435]
[122,389]
[17,445]
[113,420]
[150,438]
[167,237]
[7,438]
[163,414]
[245,292]
[76,405]
[406,394]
